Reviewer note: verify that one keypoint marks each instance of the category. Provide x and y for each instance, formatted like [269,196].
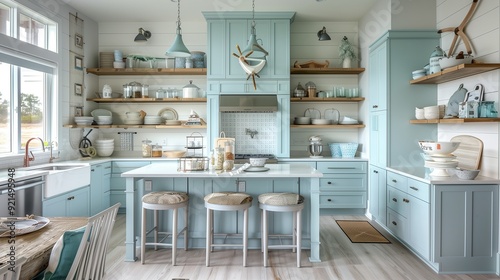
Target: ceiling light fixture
[178,49]
[253,46]
[143,35]
[322,35]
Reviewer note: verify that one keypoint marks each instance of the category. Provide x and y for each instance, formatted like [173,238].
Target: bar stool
[164,200]
[281,202]
[227,201]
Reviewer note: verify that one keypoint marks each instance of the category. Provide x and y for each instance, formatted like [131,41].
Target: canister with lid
[146,148]
[218,158]
[156,150]
[161,93]
[145,91]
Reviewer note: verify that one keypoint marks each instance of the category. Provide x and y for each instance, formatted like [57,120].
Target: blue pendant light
[178,49]
[253,46]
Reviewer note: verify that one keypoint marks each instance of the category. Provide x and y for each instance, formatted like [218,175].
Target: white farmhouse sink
[61,178]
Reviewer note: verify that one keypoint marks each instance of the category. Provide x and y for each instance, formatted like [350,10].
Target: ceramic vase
[346,63]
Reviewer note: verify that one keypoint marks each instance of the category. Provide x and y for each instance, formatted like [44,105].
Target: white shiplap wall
[483,32]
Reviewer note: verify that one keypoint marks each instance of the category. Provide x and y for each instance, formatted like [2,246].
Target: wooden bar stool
[227,201]
[164,200]
[282,202]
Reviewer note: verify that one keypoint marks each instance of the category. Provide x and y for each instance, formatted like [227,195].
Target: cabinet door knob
[406,200]
[394,223]
[394,199]
[329,200]
[329,183]
[375,171]
[394,180]
[414,188]
[375,106]
[71,198]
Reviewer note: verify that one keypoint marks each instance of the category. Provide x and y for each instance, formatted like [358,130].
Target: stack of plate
[168,114]
[347,120]
[106,59]
[152,119]
[84,120]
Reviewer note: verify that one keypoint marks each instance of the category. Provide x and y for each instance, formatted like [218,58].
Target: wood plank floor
[341,259]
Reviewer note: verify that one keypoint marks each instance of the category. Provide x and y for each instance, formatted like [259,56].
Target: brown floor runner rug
[361,232]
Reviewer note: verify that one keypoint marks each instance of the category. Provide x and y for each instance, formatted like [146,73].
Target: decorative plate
[23,226]
[168,114]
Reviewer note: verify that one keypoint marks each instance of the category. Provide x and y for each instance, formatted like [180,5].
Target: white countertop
[422,174]
[275,171]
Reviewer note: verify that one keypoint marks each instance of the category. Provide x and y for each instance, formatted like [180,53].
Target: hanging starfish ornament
[251,70]
[459,31]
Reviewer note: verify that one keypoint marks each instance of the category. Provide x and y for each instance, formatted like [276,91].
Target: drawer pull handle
[341,168]
[414,188]
[375,106]
[329,200]
[394,180]
[71,198]
[375,171]
[394,199]
[406,200]
[394,223]
[329,183]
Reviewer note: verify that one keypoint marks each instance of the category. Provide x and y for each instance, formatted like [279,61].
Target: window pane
[32,31]
[32,88]
[5,102]
[4,20]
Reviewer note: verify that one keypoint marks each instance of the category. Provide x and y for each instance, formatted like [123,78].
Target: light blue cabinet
[117,186]
[100,187]
[75,203]
[377,194]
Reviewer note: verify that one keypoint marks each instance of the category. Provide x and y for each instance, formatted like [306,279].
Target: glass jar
[145,91]
[161,93]
[229,150]
[127,91]
[218,158]
[156,151]
[311,89]
[146,148]
[228,165]
[136,89]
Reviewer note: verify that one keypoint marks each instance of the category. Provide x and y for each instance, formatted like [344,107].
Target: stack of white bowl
[103,120]
[419,113]
[434,112]
[84,120]
[105,147]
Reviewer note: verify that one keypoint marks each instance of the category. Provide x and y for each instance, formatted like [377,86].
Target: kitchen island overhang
[280,178]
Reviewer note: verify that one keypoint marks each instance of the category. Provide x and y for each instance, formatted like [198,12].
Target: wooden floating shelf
[147,71]
[333,99]
[326,70]
[153,126]
[456,72]
[145,100]
[327,125]
[455,120]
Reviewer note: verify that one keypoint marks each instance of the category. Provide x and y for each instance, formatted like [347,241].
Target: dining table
[36,246]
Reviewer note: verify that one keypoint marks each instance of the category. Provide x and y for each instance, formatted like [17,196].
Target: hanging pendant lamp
[253,46]
[178,49]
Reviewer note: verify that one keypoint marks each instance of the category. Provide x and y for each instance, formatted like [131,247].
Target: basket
[192,164]
[348,150]
[335,150]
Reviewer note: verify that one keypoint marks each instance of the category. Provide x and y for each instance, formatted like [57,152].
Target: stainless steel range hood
[247,103]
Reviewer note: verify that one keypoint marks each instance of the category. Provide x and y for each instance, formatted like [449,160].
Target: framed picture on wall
[78,63]
[78,89]
[78,111]
[78,40]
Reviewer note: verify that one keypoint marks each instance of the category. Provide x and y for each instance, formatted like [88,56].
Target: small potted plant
[346,53]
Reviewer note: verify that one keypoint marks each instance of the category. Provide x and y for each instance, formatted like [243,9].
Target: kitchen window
[27,78]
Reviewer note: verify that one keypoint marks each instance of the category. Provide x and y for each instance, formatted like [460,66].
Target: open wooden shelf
[153,126]
[326,70]
[327,125]
[325,99]
[146,71]
[145,100]
[456,72]
[455,120]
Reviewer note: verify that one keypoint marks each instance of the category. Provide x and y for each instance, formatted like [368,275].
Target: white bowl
[84,119]
[321,121]
[105,140]
[466,174]
[101,112]
[258,161]
[104,153]
[436,147]
[302,120]
[118,64]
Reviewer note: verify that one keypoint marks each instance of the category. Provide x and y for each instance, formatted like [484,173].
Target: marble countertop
[422,174]
[275,171]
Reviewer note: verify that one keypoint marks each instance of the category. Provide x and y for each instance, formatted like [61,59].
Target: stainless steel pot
[190,91]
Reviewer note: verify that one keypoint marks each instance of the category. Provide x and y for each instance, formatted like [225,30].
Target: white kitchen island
[295,177]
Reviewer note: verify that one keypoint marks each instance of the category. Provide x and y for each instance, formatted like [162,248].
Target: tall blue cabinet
[392,101]
[225,30]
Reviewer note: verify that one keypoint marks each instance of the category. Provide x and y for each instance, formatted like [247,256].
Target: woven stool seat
[280,199]
[228,198]
[165,198]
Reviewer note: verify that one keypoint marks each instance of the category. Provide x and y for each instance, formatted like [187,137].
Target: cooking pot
[190,91]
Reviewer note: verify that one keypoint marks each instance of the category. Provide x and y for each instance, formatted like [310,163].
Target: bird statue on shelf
[251,70]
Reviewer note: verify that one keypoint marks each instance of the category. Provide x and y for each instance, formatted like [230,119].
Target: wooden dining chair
[81,253]
[9,273]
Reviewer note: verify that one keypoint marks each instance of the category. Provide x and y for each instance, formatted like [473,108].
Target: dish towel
[126,141]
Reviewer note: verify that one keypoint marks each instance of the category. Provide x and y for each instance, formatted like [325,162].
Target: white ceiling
[166,10]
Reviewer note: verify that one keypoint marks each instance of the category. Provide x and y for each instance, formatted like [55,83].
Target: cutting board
[469,151]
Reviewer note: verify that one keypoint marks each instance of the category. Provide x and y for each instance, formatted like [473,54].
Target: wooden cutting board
[469,152]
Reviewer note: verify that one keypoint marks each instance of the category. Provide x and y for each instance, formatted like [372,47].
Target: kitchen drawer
[397,224]
[119,167]
[343,200]
[419,190]
[106,168]
[343,182]
[397,201]
[342,167]
[398,181]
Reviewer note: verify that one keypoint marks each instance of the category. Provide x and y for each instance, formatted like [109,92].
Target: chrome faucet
[52,158]
[27,158]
